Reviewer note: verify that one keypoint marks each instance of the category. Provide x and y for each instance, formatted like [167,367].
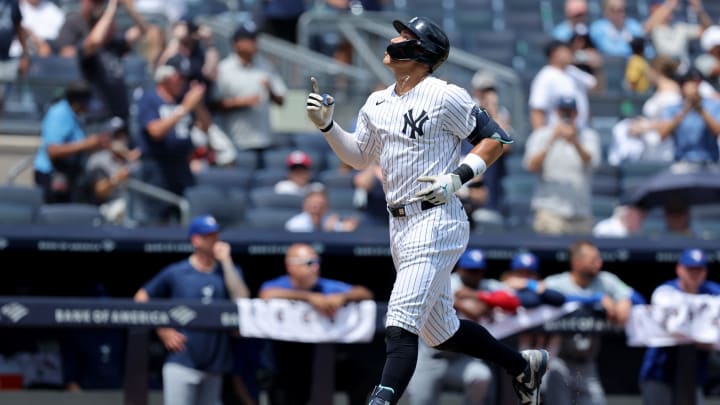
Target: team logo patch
[414,124]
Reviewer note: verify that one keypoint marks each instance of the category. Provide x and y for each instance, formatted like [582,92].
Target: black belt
[401,211]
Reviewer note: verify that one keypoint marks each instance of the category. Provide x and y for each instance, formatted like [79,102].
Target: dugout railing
[139,319]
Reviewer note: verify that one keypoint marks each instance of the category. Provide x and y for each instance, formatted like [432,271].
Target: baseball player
[413,129]
[660,365]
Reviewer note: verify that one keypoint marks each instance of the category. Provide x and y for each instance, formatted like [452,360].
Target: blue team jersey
[323,286]
[660,363]
[204,350]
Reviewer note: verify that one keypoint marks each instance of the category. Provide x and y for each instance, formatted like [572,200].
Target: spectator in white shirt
[299,175]
[315,216]
[559,78]
[625,221]
[42,20]
[563,155]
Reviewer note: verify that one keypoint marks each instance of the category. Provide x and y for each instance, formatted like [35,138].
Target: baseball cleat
[527,384]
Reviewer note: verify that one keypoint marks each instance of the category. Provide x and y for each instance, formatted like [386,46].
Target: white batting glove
[320,107]
[441,187]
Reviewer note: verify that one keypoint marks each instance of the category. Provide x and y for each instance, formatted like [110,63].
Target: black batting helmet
[431,46]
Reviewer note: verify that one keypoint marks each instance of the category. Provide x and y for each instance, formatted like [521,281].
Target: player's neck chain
[402,87]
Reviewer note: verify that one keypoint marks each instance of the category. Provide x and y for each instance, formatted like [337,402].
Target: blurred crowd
[199,127]
[199,117]
[218,366]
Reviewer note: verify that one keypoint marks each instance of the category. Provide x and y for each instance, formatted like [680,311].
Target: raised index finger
[314,84]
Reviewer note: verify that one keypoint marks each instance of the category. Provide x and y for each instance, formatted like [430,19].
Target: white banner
[503,325]
[675,318]
[297,321]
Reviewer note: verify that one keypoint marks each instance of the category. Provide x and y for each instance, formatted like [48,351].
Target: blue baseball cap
[472,259]
[524,261]
[693,258]
[203,225]
[566,103]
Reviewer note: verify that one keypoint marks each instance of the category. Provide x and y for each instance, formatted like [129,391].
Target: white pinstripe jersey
[416,134]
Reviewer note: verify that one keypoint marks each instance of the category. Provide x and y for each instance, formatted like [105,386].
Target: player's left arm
[488,138]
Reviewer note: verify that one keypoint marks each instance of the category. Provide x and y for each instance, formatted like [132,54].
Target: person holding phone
[563,155]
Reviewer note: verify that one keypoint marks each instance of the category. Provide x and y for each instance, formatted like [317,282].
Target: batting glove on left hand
[320,107]
[440,188]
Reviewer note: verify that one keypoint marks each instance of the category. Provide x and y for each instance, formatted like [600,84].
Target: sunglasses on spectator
[305,262]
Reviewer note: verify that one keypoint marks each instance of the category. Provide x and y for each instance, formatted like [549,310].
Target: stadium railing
[140,318]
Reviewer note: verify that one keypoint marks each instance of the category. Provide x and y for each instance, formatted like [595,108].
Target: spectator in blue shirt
[64,146]
[576,13]
[302,282]
[659,368]
[693,124]
[612,33]
[197,359]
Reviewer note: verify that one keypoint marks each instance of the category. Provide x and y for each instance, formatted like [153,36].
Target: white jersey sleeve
[459,112]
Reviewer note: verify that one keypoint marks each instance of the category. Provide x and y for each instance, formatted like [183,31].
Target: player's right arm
[320,108]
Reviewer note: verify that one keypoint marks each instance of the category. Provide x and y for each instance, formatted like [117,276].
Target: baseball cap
[693,258]
[246,30]
[553,45]
[566,103]
[176,64]
[483,81]
[472,259]
[710,37]
[298,158]
[203,225]
[524,261]
[190,23]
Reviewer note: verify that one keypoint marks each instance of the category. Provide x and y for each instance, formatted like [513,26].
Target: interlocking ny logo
[415,124]
[182,314]
[14,311]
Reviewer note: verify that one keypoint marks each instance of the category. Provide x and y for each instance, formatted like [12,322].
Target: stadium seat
[487,221]
[514,165]
[606,169]
[268,218]
[706,212]
[268,177]
[266,197]
[227,206]
[314,141]
[518,214]
[603,185]
[518,186]
[614,70]
[603,206]
[526,21]
[19,204]
[48,76]
[708,229]
[224,177]
[246,159]
[332,161]
[136,71]
[641,169]
[341,198]
[335,178]
[70,214]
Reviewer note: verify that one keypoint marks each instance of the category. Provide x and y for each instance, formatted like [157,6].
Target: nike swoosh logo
[379,102]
